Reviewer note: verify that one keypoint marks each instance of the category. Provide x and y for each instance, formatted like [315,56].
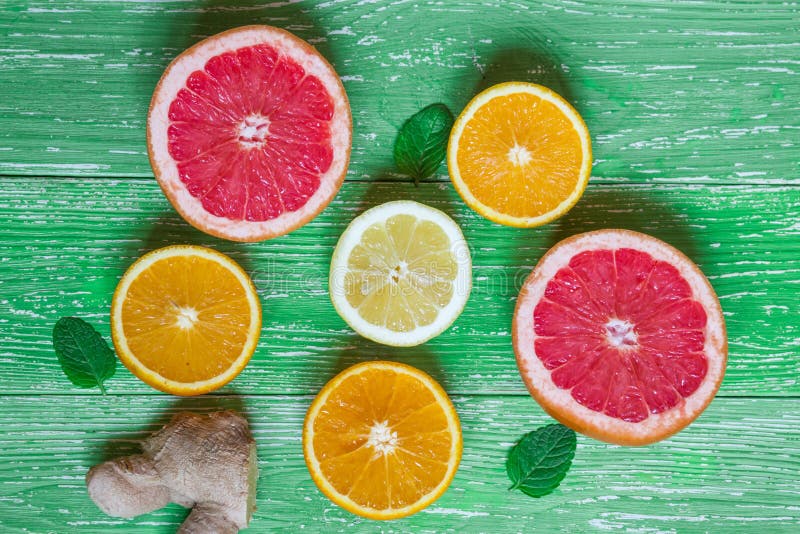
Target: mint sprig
[85,357]
[540,460]
[421,144]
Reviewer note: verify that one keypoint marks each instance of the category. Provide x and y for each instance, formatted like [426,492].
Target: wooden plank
[703,91]
[735,467]
[66,242]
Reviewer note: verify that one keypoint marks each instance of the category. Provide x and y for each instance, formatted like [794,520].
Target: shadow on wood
[631,209]
[523,55]
[189,25]
[359,349]
[168,228]
[605,207]
[528,64]
[129,443]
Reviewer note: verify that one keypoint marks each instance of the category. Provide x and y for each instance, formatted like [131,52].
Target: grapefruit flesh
[249,133]
[620,336]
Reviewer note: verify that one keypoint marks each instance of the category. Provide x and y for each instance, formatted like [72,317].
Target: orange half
[185,319]
[382,440]
[519,154]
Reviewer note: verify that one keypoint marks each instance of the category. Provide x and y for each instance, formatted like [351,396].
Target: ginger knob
[204,462]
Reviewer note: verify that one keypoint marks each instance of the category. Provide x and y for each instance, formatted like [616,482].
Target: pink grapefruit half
[249,133]
[620,336]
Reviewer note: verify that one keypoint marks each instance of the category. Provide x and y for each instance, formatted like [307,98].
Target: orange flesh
[397,467]
[186,318]
[520,155]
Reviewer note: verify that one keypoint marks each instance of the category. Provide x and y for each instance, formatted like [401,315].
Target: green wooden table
[694,110]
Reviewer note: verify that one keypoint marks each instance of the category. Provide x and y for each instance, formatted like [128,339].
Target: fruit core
[519,155]
[400,272]
[253,131]
[622,332]
[186,317]
[382,439]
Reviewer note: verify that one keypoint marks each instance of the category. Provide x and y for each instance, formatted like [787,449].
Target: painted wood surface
[693,109]
[68,241]
[699,91]
[735,469]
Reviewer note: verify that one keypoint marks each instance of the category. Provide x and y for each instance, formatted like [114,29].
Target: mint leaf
[539,461]
[422,142]
[84,355]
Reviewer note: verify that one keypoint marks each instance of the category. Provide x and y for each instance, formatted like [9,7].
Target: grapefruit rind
[155,380]
[166,170]
[558,402]
[352,236]
[505,89]
[344,501]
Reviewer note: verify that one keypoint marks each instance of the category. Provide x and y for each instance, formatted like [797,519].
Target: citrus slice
[382,440]
[185,319]
[620,336]
[519,154]
[401,273]
[249,133]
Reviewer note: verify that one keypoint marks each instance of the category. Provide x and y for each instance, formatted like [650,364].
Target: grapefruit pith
[620,336]
[249,133]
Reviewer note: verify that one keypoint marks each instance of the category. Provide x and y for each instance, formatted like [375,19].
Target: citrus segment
[401,273]
[519,154]
[620,336]
[185,319]
[382,440]
[249,133]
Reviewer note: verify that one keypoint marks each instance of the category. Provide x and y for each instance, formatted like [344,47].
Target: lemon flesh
[401,273]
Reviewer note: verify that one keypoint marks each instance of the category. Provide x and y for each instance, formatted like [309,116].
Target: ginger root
[204,462]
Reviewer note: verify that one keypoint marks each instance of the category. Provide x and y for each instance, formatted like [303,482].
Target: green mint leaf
[422,142]
[538,463]
[84,355]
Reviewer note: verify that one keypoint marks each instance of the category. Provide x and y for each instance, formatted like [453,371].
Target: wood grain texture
[694,110]
[702,91]
[66,243]
[735,469]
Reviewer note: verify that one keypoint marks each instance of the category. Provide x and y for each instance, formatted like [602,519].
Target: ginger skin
[203,462]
